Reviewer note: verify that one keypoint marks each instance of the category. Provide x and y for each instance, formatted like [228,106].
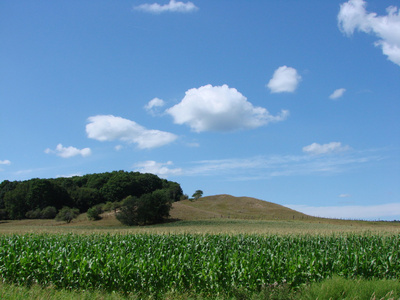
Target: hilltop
[227,206]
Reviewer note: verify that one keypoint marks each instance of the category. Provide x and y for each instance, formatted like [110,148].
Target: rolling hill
[227,206]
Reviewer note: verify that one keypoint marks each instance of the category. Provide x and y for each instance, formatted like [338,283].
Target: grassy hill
[211,214]
[227,206]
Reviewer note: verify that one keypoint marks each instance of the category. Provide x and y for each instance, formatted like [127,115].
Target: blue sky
[293,102]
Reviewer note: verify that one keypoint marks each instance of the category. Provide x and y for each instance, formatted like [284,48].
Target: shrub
[67,214]
[34,214]
[48,212]
[94,213]
[150,208]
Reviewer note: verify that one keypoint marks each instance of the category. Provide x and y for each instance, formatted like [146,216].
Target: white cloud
[267,167]
[317,149]
[285,79]
[220,108]
[337,93]
[372,212]
[109,128]
[160,169]
[153,105]
[67,152]
[354,16]
[344,195]
[5,162]
[69,175]
[172,6]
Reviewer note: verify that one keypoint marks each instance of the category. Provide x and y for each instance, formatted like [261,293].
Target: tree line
[43,198]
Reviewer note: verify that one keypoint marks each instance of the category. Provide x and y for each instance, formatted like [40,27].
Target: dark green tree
[150,208]
[48,212]
[5,187]
[119,186]
[83,198]
[15,201]
[67,214]
[94,212]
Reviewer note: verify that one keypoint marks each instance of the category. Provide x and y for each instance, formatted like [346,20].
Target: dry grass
[226,206]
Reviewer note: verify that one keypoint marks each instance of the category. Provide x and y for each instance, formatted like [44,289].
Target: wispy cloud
[67,152]
[387,211]
[172,6]
[317,149]
[160,169]
[5,162]
[337,94]
[354,16]
[344,195]
[284,79]
[265,167]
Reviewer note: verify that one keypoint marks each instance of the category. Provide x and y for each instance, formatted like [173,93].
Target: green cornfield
[204,264]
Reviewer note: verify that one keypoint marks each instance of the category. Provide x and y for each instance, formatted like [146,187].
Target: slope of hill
[227,206]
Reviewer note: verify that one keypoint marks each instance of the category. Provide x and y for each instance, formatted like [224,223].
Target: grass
[334,288]
[340,288]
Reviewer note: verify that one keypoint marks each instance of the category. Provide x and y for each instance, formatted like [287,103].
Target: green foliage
[49,212]
[94,212]
[67,214]
[112,206]
[198,194]
[5,187]
[232,265]
[150,208]
[26,198]
[34,214]
[15,201]
[3,214]
[84,197]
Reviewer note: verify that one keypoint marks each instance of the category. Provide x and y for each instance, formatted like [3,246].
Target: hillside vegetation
[227,206]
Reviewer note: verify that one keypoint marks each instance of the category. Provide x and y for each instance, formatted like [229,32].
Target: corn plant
[207,264]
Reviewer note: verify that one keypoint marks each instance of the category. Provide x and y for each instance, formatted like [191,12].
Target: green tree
[94,212]
[48,212]
[5,187]
[15,201]
[67,214]
[84,198]
[119,186]
[198,194]
[150,208]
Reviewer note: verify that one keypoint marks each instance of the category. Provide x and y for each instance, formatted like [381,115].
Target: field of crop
[203,264]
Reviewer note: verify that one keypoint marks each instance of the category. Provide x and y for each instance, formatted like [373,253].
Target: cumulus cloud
[317,149]
[110,128]
[354,16]
[372,212]
[70,151]
[220,108]
[160,169]
[337,93]
[5,162]
[285,79]
[153,105]
[172,6]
